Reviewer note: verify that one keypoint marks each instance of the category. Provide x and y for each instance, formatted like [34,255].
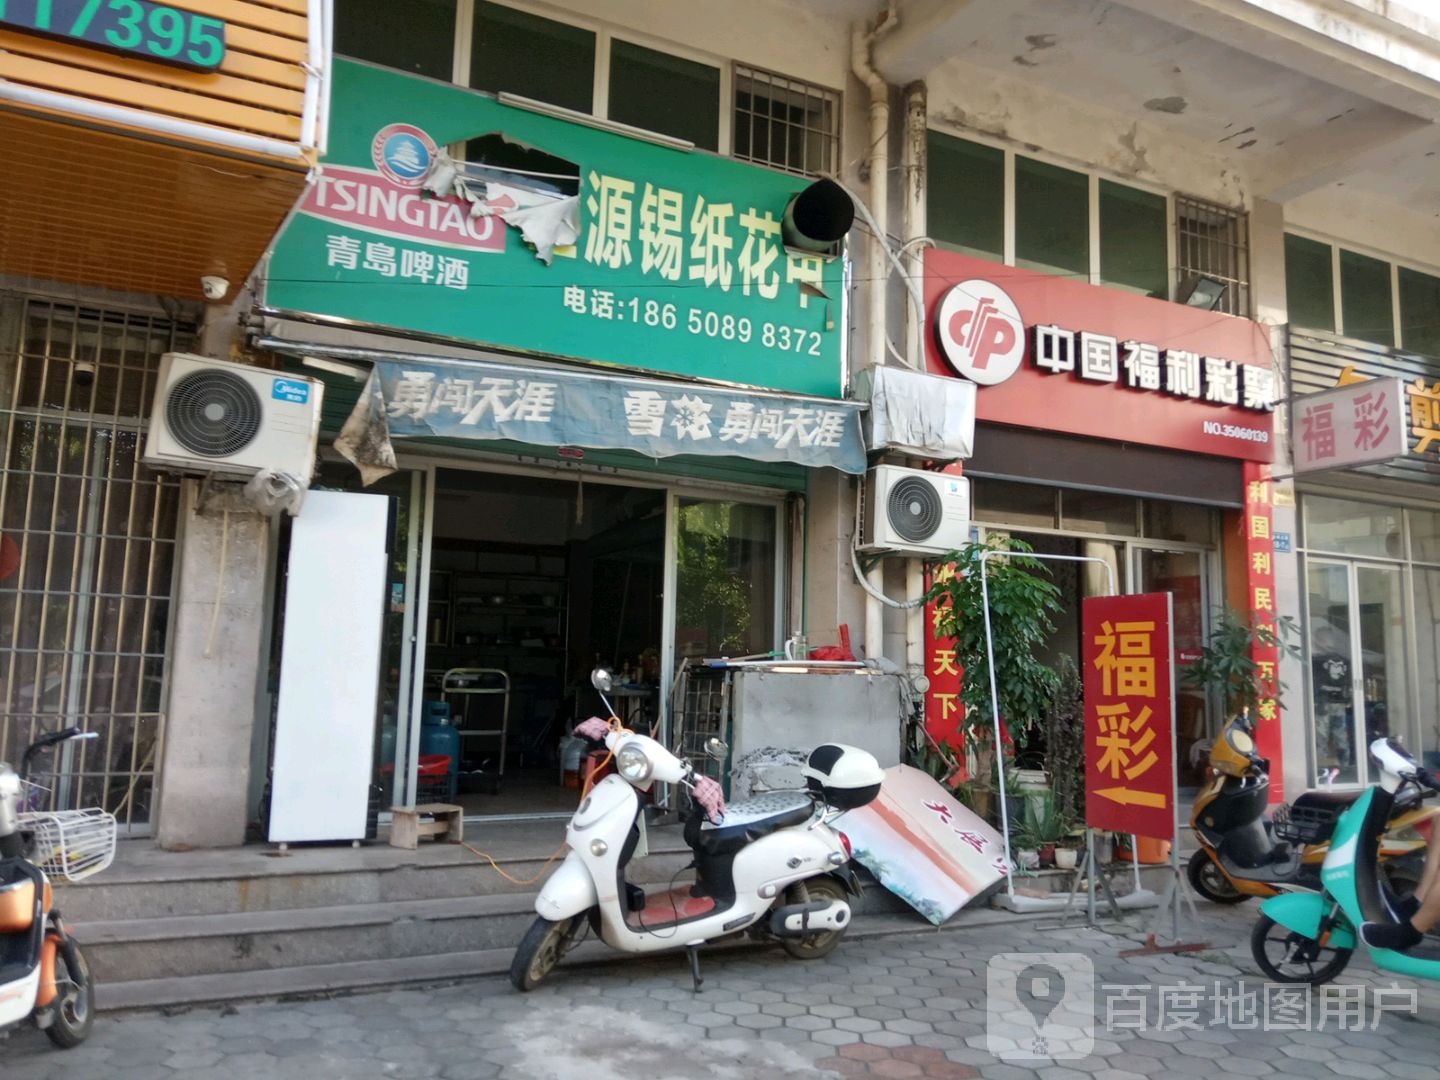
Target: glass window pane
[1184,522]
[1098,512]
[1309,283]
[1133,248]
[1419,311]
[534,57]
[998,502]
[1352,527]
[1365,298]
[966,192]
[422,41]
[725,579]
[1331,687]
[1424,535]
[668,94]
[1427,652]
[1382,652]
[1052,218]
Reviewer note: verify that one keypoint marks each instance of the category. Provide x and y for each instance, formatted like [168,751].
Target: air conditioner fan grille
[213,413]
[913,508]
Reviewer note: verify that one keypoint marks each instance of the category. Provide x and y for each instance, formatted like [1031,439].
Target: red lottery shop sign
[1067,356]
[1129,668]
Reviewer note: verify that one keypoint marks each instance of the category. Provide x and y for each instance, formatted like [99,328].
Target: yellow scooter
[1244,854]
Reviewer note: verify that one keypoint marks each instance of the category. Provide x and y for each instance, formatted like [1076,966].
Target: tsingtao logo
[403,152]
[980,331]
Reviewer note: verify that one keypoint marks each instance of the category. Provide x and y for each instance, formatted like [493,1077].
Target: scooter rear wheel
[75,1007]
[1288,957]
[540,950]
[1210,881]
[814,946]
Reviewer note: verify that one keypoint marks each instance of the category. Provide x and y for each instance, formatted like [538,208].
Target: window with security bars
[785,123]
[1213,242]
[87,549]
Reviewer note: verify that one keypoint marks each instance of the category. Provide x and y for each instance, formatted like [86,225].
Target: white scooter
[43,976]
[772,866]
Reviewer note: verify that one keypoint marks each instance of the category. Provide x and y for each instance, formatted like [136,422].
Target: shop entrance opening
[533,582]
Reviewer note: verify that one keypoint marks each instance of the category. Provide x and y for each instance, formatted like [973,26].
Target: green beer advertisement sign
[626,252]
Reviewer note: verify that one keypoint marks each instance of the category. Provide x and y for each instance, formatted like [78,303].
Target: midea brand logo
[403,152]
[980,331]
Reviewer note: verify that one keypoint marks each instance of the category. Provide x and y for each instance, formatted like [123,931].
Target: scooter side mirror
[602,680]
[716,748]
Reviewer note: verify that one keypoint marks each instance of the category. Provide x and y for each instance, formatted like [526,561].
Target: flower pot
[1047,854]
[1027,859]
[1066,858]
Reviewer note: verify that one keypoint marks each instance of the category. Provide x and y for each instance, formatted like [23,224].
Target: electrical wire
[902,605]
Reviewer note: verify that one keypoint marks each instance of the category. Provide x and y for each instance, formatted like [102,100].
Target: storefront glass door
[726,564]
[1357,663]
[1182,573]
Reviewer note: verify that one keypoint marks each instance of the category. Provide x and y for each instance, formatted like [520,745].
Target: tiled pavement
[912,1005]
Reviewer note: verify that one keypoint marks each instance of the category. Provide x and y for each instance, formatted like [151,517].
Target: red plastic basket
[430,767]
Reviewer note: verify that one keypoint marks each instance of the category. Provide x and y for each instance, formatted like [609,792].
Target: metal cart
[460,687]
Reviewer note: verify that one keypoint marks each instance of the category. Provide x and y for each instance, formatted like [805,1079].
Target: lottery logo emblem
[980,331]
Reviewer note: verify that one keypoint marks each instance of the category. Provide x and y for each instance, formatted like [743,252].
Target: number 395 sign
[136,27]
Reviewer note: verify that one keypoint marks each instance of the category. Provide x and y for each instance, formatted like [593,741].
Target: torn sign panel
[556,407]
[364,440]
[546,218]
[923,845]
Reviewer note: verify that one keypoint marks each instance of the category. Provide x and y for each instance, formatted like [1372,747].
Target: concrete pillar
[215,658]
[1267,277]
[831,595]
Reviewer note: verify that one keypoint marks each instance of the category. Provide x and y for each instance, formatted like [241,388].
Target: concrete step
[233,942]
[251,880]
[876,918]
[197,945]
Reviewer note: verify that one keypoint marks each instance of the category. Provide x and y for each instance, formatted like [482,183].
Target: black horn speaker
[818,217]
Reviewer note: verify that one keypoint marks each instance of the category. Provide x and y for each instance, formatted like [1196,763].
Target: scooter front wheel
[1210,881]
[1290,957]
[541,949]
[75,1005]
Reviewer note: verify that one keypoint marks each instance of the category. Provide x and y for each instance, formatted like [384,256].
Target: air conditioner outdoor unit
[914,512]
[211,416]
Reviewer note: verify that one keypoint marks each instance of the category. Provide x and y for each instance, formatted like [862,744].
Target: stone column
[215,660]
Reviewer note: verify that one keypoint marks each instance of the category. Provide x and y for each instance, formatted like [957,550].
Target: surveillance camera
[84,373]
[214,286]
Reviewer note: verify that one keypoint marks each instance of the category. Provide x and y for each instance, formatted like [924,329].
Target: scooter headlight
[633,764]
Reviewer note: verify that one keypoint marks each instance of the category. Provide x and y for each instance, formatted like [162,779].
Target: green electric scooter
[1310,937]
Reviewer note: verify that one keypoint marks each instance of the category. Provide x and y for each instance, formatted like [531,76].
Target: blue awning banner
[559,407]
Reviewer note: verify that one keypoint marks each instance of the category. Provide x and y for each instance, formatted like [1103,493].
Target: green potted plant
[1048,828]
[1227,664]
[1065,741]
[1023,603]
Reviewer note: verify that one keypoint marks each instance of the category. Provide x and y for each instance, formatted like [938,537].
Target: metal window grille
[785,123]
[87,548]
[1214,242]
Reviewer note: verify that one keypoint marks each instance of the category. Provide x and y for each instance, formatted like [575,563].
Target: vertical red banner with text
[1259,534]
[943,709]
[1129,657]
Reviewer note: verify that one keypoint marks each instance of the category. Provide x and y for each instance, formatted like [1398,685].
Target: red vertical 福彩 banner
[1128,652]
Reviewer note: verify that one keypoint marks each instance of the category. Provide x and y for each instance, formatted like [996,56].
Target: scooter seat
[1334,801]
[747,821]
